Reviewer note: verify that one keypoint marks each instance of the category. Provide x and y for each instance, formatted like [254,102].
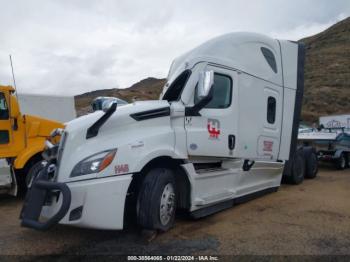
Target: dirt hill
[327,77]
[147,89]
[327,72]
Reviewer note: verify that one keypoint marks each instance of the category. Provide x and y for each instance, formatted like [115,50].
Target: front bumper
[36,198]
[96,203]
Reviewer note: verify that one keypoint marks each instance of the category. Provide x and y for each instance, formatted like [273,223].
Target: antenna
[13,75]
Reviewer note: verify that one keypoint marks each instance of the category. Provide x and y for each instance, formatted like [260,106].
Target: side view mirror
[204,93]
[107,105]
[205,83]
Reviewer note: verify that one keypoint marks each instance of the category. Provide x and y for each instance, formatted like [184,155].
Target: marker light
[94,164]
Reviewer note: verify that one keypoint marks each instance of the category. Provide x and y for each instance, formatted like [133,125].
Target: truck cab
[22,139]
[11,141]
[221,133]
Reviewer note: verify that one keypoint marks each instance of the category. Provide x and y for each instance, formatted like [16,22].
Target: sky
[68,47]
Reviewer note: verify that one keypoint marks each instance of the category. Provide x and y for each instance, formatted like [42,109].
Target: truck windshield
[4,111]
[174,91]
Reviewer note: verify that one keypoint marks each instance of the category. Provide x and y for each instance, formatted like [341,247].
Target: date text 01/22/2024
[173,258]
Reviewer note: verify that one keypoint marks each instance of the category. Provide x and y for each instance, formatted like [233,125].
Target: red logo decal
[268,145]
[213,128]
[120,169]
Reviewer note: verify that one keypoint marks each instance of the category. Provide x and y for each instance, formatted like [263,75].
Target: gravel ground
[312,218]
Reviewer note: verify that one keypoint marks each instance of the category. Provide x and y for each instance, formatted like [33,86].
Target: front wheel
[156,203]
[33,172]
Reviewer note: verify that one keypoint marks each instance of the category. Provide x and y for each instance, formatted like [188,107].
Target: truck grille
[60,152]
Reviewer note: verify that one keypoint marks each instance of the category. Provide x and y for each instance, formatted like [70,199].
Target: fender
[34,147]
[153,155]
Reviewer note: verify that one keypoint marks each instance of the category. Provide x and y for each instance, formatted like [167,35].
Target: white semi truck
[224,128]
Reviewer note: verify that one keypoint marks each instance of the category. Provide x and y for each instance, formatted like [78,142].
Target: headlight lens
[94,164]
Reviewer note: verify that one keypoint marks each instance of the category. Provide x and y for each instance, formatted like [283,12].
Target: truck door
[213,133]
[5,126]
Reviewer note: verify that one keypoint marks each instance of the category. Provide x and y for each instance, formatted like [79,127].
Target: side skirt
[230,203]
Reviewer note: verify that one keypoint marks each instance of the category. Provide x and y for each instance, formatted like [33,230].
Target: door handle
[231,142]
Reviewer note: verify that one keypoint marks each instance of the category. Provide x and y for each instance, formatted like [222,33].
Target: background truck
[335,121]
[330,144]
[101,102]
[224,128]
[24,128]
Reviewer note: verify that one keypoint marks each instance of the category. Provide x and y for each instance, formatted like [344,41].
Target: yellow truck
[22,136]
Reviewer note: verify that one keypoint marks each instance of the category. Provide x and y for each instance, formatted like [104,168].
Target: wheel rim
[167,204]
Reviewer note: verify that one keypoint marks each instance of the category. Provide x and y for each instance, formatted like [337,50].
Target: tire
[341,162]
[311,166]
[297,169]
[157,189]
[24,176]
[21,182]
[34,170]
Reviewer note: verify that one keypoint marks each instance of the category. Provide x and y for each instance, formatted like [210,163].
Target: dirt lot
[312,218]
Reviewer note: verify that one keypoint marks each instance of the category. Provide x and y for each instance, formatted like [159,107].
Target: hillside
[327,77]
[327,72]
[146,89]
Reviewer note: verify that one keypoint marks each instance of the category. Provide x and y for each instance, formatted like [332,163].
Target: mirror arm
[194,110]
[15,124]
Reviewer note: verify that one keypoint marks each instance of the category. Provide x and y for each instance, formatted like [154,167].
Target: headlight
[94,164]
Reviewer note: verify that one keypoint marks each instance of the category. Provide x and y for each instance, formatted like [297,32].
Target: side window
[271,110]
[4,111]
[222,92]
[270,58]
[4,137]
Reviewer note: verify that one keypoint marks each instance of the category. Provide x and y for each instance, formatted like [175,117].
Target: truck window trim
[4,112]
[270,58]
[231,91]
[271,110]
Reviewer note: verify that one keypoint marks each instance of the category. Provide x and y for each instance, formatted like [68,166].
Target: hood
[120,129]
[122,116]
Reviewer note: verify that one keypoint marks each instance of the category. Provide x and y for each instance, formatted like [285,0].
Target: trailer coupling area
[38,195]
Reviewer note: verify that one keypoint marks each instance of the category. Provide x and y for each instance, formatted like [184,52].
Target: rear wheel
[311,165]
[341,162]
[297,169]
[156,203]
